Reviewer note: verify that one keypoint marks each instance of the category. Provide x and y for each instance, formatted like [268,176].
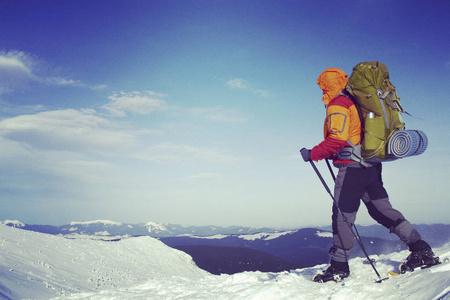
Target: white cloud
[66,130]
[57,150]
[148,102]
[15,71]
[17,67]
[241,84]
[13,109]
[135,102]
[14,62]
[59,81]
[237,83]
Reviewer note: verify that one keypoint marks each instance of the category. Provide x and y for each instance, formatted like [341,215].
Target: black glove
[306,154]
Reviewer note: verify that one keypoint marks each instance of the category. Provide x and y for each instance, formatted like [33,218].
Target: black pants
[354,183]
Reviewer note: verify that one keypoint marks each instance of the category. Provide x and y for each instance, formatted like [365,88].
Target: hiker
[355,181]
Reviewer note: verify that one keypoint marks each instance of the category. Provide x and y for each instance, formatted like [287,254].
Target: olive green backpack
[379,108]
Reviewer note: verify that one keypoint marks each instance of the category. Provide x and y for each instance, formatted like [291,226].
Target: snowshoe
[421,256]
[331,274]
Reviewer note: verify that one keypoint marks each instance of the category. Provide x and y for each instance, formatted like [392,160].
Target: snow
[13,223]
[250,237]
[324,234]
[107,222]
[102,233]
[152,226]
[40,266]
[209,237]
[264,235]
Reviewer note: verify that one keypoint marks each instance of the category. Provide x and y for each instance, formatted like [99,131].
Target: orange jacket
[331,82]
[342,122]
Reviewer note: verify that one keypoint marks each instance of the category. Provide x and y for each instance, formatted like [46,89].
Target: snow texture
[40,266]
[249,237]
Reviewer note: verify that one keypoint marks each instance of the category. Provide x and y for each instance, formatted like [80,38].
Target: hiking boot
[333,273]
[421,256]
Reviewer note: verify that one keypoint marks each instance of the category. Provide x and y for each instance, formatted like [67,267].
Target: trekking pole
[331,170]
[346,220]
[354,226]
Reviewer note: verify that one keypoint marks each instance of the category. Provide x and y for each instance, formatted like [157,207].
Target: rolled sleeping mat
[405,143]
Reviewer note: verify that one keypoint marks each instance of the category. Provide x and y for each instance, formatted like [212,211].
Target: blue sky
[193,112]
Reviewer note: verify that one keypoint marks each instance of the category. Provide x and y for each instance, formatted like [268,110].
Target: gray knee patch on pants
[406,232]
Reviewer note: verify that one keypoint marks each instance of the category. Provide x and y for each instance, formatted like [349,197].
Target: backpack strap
[359,109]
[353,152]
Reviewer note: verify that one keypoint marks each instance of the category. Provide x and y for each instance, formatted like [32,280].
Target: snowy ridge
[209,237]
[41,266]
[103,222]
[152,227]
[13,223]
[324,234]
[436,234]
[248,237]
[264,235]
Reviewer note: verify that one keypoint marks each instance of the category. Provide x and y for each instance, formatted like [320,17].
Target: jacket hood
[331,81]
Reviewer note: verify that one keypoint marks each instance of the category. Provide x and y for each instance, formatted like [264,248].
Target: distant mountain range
[305,247]
[236,249]
[108,229]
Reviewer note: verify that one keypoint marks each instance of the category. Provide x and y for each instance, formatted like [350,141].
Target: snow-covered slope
[40,266]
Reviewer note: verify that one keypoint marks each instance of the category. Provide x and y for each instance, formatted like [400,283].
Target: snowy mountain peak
[102,222]
[13,223]
[155,227]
